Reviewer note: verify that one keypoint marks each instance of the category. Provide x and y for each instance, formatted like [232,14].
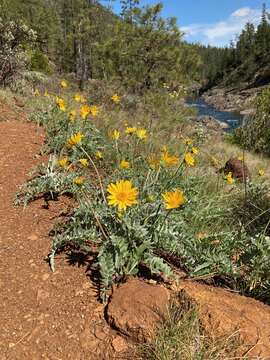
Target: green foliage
[140,48]
[214,234]
[256,262]
[40,62]
[148,51]
[14,37]
[252,208]
[49,182]
[245,60]
[255,134]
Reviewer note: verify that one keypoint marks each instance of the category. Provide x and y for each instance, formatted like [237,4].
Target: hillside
[241,70]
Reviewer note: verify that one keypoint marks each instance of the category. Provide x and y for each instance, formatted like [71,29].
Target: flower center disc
[121,196]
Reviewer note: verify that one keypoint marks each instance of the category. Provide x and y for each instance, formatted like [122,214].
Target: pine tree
[262,42]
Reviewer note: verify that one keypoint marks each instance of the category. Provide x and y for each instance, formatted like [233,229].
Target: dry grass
[181,337]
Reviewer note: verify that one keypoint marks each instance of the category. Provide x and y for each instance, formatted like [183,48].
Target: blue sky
[213,22]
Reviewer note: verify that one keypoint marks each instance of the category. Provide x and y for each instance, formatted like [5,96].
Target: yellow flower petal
[115,135]
[124,164]
[84,162]
[142,134]
[122,194]
[189,159]
[169,160]
[173,199]
[75,139]
[115,98]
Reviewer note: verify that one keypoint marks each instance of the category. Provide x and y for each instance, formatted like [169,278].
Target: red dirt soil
[44,315]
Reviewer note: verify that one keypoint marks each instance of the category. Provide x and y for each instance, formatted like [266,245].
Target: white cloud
[243,12]
[222,32]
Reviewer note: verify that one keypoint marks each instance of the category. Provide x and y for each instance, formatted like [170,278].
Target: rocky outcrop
[224,313]
[233,100]
[237,168]
[136,309]
[212,123]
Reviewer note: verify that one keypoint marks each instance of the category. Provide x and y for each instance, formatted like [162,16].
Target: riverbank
[233,100]
[213,118]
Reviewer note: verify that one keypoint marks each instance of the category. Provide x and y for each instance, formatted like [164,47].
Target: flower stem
[97,172]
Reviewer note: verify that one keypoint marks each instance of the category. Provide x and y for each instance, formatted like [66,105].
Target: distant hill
[245,63]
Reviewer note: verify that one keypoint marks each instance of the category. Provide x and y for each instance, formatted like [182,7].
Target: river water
[232,119]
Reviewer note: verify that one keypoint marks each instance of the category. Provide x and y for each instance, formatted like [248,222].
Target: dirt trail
[43,315]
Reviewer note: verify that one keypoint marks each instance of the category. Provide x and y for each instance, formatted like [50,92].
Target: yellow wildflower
[75,139]
[130,130]
[99,155]
[46,94]
[122,194]
[94,110]
[142,134]
[173,199]
[85,111]
[36,92]
[261,172]
[164,148]
[241,158]
[64,84]
[115,98]
[61,103]
[154,162]
[229,178]
[79,180]
[115,134]
[77,97]
[84,162]
[124,164]
[169,160]
[189,159]
[63,162]
[72,115]
[195,150]
[188,141]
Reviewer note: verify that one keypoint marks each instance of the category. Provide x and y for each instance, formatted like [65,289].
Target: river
[231,118]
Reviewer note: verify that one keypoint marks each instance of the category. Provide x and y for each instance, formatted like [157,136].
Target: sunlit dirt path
[42,315]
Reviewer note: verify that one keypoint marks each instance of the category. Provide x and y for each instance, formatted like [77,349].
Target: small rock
[119,344]
[42,295]
[86,285]
[238,168]
[88,340]
[32,237]
[99,333]
[78,292]
[45,277]
[136,308]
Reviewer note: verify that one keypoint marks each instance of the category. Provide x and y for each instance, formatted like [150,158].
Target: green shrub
[14,37]
[255,134]
[40,62]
